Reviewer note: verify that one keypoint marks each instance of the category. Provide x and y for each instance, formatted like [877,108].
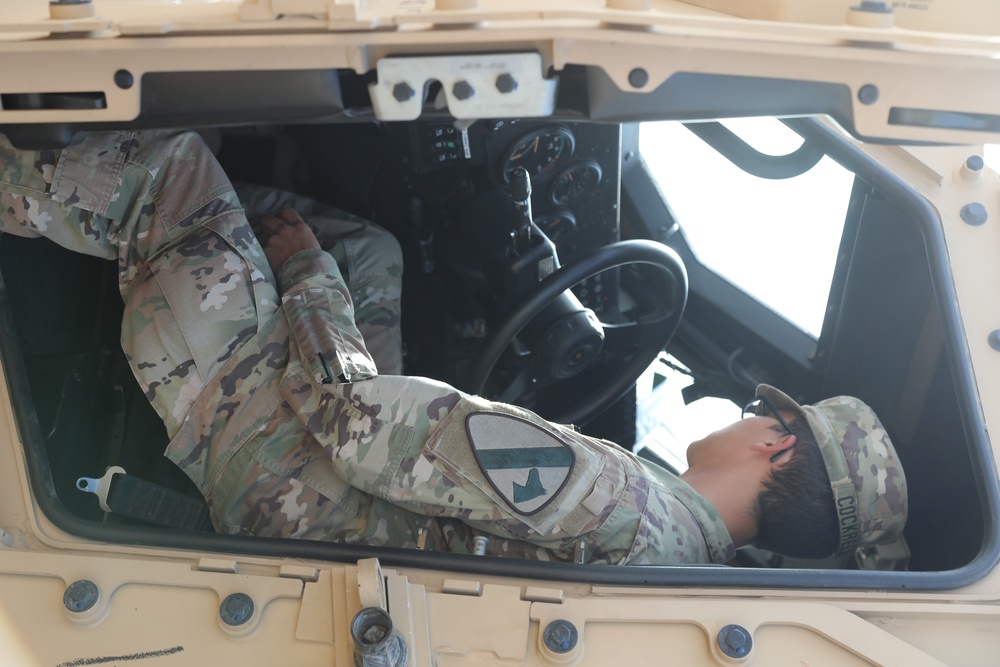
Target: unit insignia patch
[525,464]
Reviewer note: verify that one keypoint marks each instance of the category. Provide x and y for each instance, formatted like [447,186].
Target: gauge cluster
[575,179]
[574,170]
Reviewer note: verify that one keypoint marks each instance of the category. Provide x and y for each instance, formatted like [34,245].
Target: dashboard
[575,181]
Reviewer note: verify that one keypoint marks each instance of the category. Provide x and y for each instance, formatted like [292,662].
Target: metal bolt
[974,213]
[638,77]
[236,609]
[868,93]
[560,636]
[735,641]
[124,79]
[376,642]
[402,91]
[994,339]
[463,90]
[505,83]
[975,162]
[81,596]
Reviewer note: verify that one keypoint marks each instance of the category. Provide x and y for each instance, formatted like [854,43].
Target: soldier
[261,361]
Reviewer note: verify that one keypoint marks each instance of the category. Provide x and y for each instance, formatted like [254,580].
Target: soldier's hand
[286,234]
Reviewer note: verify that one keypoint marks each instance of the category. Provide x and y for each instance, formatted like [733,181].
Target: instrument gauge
[557,225]
[540,152]
[576,181]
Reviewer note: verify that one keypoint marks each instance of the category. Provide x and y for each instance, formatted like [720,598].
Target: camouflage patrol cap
[869,488]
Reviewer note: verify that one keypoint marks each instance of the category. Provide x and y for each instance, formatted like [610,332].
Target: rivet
[868,93]
[638,78]
[463,90]
[124,79]
[735,641]
[505,83]
[994,339]
[974,213]
[402,91]
[560,636]
[236,609]
[81,596]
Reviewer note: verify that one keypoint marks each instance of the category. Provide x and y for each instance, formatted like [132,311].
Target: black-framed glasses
[752,409]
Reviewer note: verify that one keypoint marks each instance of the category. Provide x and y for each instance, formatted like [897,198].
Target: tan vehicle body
[160,606]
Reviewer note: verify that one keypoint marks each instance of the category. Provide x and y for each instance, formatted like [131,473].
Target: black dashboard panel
[575,176]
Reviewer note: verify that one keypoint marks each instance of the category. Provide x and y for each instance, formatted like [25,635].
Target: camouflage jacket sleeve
[33,190]
[321,318]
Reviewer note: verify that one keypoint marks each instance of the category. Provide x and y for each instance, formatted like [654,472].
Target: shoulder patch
[525,464]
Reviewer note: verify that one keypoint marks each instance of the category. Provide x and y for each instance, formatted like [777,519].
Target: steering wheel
[628,348]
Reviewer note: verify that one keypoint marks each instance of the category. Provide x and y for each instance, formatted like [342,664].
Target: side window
[777,240]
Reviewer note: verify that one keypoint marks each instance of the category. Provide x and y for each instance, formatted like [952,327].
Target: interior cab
[663,205]
[444,190]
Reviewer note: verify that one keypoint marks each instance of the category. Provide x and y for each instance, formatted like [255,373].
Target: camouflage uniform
[270,393]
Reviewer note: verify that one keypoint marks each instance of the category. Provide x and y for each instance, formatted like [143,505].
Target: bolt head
[868,94]
[402,91]
[735,641]
[560,636]
[463,90]
[505,83]
[994,339]
[80,596]
[638,78]
[975,162]
[974,213]
[124,79]
[236,609]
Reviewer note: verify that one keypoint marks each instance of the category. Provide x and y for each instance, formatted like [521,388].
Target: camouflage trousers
[194,279]
[229,364]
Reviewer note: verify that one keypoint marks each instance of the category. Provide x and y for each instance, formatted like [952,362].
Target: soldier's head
[841,485]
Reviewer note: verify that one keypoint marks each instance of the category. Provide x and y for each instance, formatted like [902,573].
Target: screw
[560,636]
[638,77]
[81,595]
[975,162]
[735,641]
[236,609]
[868,93]
[124,79]
[463,90]
[994,339]
[505,83]
[974,213]
[402,91]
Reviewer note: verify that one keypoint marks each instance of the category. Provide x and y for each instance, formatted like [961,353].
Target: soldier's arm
[316,302]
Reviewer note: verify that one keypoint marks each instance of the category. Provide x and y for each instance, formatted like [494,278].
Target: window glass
[775,239]
[991,154]
[665,424]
